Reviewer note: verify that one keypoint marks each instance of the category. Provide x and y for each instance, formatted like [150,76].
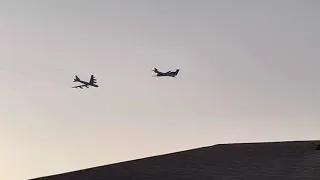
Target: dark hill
[293,160]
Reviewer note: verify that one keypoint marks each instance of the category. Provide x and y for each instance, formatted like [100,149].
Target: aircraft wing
[93,80]
[81,86]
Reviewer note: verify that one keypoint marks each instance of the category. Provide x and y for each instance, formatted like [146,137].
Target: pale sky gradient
[249,72]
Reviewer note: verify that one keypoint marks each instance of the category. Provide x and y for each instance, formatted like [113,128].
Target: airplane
[169,73]
[92,82]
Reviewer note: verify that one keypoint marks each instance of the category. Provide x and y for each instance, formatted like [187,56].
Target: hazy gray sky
[249,72]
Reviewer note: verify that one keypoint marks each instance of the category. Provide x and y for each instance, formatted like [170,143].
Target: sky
[249,72]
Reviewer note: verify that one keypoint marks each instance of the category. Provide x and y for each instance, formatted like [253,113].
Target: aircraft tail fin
[174,74]
[76,79]
[155,70]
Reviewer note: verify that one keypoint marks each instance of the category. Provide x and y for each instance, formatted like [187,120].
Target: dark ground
[251,161]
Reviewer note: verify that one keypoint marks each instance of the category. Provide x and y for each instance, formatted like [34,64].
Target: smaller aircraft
[169,73]
[92,82]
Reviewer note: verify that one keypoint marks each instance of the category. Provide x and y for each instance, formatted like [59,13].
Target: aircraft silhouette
[92,82]
[169,73]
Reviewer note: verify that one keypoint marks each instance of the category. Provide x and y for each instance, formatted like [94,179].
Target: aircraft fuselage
[170,75]
[88,84]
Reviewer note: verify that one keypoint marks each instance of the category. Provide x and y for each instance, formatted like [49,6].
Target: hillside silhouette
[294,160]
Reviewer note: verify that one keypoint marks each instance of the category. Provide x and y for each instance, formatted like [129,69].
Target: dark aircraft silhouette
[92,82]
[169,73]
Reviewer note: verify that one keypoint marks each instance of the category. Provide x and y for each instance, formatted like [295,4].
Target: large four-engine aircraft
[92,82]
[169,73]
